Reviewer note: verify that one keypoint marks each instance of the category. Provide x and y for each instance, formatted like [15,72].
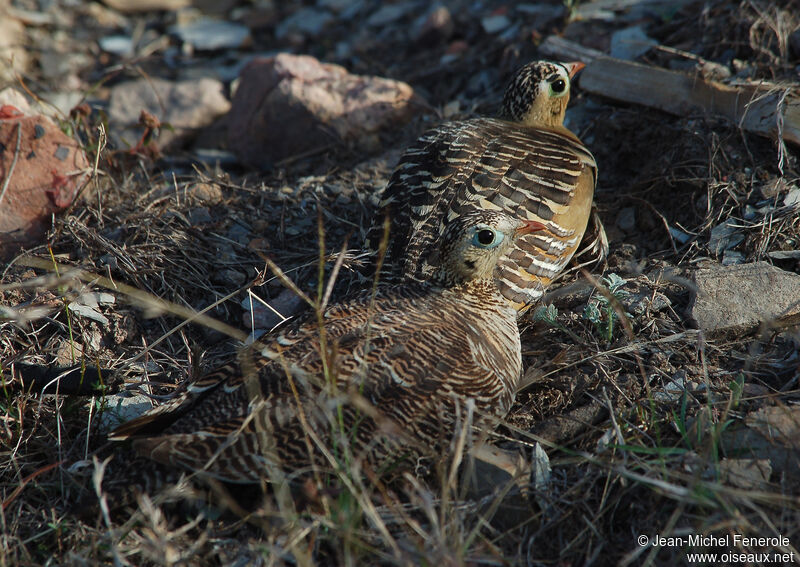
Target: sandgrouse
[394,374]
[524,162]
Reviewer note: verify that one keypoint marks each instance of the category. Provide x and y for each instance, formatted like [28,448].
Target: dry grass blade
[151,304]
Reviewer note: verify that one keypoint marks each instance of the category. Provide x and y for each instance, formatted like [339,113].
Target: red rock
[290,105]
[49,170]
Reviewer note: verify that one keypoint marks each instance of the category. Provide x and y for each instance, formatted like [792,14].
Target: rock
[44,169]
[731,257]
[713,71]
[62,101]
[679,235]
[739,298]
[10,96]
[630,43]
[626,219]
[542,13]
[792,198]
[228,278]
[747,474]
[207,34]
[121,45]
[770,434]
[133,6]
[779,424]
[645,301]
[187,106]
[199,216]
[261,315]
[209,193]
[307,21]
[88,312]
[724,237]
[495,24]
[335,5]
[62,66]
[435,27]
[123,407]
[14,56]
[290,105]
[389,13]
[794,43]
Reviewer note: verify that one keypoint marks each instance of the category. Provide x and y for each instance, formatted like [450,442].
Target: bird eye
[558,86]
[487,238]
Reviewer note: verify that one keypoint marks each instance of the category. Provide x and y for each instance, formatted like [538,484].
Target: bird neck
[446,279]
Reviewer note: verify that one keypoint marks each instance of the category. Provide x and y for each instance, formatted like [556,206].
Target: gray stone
[335,5]
[626,219]
[63,101]
[262,315]
[435,26]
[61,66]
[17,99]
[748,474]
[199,216]
[792,198]
[794,43]
[134,6]
[645,300]
[724,236]
[731,257]
[679,235]
[123,407]
[229,278]
[630,43]
[542,11]
[82,310]
[784,254]
[207,34]
[117,44]
[12,47]
[185,105]
[389,13]
[308,21]
[739,298]
[495,24]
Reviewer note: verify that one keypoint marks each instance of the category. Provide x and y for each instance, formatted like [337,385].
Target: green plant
[600,310]
[549,314]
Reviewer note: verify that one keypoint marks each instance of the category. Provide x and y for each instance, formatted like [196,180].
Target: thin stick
[13,163]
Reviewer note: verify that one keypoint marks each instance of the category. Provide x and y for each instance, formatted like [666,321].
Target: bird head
[538,93]
[474,242]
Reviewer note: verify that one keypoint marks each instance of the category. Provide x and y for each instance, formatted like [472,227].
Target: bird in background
[523,162]
[386,376]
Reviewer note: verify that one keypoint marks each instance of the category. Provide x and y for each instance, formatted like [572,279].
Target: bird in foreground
[524,162]
[391,380]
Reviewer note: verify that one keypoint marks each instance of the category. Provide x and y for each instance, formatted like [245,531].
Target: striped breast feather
[483,162]
[418,355]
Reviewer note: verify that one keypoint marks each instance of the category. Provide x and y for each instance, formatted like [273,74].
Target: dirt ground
[652,426]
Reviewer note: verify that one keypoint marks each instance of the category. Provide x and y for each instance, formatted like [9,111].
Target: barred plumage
[399,369]
[525,163]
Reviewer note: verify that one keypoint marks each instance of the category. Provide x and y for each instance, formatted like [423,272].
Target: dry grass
[632,453]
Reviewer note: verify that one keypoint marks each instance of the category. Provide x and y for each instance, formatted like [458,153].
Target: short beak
[530,226]
[574,67]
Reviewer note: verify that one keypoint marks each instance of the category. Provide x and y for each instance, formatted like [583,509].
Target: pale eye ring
[487,238]
[558,86]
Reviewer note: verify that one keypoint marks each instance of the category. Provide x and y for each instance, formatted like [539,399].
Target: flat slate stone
[741,297]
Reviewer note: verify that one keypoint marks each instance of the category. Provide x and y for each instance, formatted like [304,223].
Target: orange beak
[573,67]
[530,226]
